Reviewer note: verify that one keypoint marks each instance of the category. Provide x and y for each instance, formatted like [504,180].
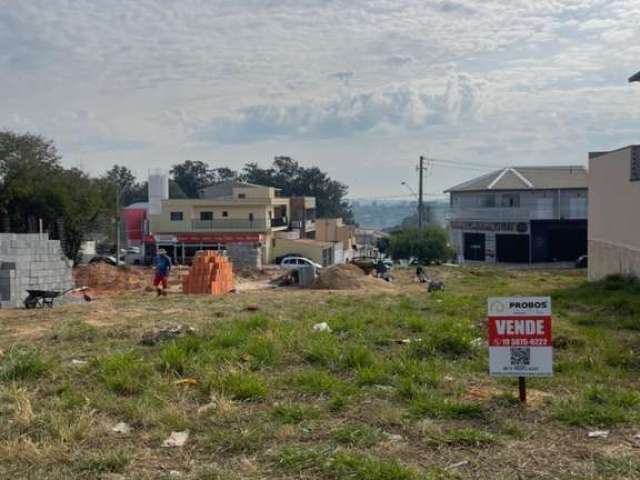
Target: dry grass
[264,397]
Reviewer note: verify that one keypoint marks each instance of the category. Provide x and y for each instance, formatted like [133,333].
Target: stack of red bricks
[210,273]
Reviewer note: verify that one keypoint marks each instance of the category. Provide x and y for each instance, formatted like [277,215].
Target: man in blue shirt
[162,265]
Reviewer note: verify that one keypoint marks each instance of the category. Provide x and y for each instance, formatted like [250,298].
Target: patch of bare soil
[101,276]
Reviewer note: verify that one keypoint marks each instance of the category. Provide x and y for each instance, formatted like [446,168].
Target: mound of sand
[347,276]
[108,277]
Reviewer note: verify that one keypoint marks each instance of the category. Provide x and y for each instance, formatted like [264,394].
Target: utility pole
[420,192]
[118,225]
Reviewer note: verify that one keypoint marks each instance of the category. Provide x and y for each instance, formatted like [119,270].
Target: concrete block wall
[245,256]
[31,261]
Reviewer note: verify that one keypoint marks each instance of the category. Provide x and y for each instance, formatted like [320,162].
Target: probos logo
[497,307]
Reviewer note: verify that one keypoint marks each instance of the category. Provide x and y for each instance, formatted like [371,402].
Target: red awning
[217,238]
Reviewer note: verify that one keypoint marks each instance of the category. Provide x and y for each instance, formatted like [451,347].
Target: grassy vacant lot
[265,397]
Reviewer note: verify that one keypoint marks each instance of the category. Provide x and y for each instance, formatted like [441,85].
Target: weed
[245,440]
[358,436]
[342,465]
[262,351]
[174,359]
[436,407]
[443,339]
[418,372]
[299,459]
[323,350]
[124,373]
[22,363]
[103,462]
[375,374]
[361,467]
[598,407]
[338,403]
[625,466]
[244,386]
[356,356]
[465,437]
[316,382]
[294,413]
[75,330]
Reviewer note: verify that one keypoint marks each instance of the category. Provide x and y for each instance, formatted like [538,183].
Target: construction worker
[162,266]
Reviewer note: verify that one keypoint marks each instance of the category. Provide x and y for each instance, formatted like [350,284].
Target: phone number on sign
[524,342]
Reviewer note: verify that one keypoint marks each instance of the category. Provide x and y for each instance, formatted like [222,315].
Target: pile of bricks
[210,273]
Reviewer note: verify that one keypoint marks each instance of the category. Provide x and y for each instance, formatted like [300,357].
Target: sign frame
[520,336]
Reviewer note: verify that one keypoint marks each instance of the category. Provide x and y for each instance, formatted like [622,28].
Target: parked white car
[292,263]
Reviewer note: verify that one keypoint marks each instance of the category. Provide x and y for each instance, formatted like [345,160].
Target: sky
[358,88]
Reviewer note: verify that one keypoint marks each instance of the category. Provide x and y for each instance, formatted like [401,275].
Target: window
[511,200]
[635,164]
[488,201]
[242,195]
[208,216]
[251,217]
[176,216]
[225,214]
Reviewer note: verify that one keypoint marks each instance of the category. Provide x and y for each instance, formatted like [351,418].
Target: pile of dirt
[347,276]
[108,277]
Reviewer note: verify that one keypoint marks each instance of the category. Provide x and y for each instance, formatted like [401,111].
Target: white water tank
[158,190]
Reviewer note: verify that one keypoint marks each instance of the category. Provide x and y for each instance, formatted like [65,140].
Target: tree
[131,191]
[382,244]
[296,180]
[34,186]
[427,245]
[192,177]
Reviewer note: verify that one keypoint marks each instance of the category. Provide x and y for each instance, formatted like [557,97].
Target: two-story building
[239,215]
[521,215]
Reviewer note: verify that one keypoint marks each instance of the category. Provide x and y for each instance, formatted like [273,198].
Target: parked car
[582,261]
[108,259]
[292,263]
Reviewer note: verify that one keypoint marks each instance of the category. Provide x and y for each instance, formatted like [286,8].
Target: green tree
[295,180]
[131,190]
[427,245]
[34,186]
[192,177]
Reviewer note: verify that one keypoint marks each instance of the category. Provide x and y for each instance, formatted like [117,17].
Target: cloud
[151,81]
[411,106]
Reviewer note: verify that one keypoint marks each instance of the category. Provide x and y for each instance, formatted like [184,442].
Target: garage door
[512,248]
[474,246]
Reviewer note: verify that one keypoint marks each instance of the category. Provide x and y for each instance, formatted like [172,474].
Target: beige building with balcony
[521,215]
[228,213]
[614,219]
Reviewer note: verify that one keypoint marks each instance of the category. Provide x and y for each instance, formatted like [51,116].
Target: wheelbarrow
[45,298]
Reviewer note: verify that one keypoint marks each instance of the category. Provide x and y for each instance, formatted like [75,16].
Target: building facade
[520,215]
[334,230]
[614,200]
[227,213]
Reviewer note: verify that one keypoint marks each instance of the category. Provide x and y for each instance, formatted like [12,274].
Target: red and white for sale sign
[520,342]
